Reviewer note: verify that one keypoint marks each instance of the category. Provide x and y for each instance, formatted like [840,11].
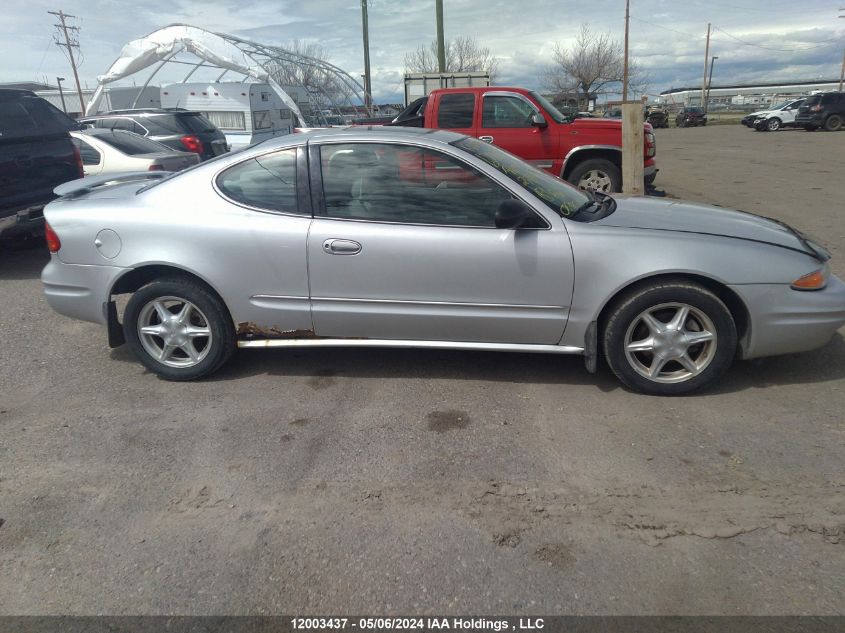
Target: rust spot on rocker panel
[248,329]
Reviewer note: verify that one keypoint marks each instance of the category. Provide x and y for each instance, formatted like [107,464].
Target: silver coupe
[417,238]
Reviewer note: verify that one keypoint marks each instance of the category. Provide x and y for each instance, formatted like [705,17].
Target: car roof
[484,89]
[92,131]
[139,113]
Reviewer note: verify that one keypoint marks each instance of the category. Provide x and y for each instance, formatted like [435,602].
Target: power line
[770,48]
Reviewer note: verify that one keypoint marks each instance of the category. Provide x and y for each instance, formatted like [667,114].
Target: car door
[506,122]
[404,246]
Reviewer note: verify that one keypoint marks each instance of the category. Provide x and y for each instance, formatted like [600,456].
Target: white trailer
[245,112]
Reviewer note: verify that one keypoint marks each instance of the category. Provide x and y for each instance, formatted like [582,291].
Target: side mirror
[513,214]
[538,120]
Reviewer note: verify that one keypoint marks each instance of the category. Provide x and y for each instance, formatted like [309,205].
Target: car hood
[689,217]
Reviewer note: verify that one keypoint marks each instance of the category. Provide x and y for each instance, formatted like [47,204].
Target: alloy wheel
[670,342]
[174,332]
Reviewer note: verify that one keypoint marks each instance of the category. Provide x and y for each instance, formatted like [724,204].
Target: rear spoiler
[83,186]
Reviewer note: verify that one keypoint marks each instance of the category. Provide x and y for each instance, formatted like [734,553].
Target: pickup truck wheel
[597,174]
[833,123]
[178,329]
[773,124]
[669,338]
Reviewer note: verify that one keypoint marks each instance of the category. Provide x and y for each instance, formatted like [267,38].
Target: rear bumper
[79,291]
[23,221]
[785,321]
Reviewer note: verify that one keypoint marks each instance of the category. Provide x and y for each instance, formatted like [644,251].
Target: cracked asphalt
[410,482]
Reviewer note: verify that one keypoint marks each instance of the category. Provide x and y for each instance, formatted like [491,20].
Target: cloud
[666,36]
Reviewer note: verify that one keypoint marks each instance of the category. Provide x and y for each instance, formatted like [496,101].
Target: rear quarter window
[31,116]
[455,110]
[265,182]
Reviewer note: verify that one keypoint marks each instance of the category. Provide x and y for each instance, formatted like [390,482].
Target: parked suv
[36,155]
[689,116]
[825,110]
[181,130]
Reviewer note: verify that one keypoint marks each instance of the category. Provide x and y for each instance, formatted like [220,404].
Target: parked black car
[825,111]
[181,130]
[689,116]
[36,156]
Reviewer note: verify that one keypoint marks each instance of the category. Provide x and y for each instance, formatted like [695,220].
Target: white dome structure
[256,62]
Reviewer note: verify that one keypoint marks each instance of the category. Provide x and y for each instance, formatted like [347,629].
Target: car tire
[685,312]
[833,123]
[600,172]
[773,124]
[185,344]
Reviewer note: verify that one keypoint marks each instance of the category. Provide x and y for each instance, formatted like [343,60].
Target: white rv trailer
[245,112]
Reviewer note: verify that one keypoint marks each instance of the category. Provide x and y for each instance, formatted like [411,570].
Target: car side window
[501,111]
[266,182]
[90,156]
[400,183]
[455,111]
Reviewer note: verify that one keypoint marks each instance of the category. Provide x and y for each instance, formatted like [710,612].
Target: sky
[754,41]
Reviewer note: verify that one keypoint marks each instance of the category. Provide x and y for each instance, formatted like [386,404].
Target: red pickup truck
[586,152]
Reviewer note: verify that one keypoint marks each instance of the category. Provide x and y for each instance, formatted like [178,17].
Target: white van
[245,112]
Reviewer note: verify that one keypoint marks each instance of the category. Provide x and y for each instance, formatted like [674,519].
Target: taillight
[192,143]
[53,241]
[650,145]
[77,157]
[155,167]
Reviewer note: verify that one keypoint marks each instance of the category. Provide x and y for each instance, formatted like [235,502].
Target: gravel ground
[430,481]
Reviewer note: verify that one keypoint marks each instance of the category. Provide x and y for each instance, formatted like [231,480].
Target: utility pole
[70,44]
[441,45]
[368,88]
[842,70]
[710,81]
[632,131]
[706,56]
[59,81]
[625,63]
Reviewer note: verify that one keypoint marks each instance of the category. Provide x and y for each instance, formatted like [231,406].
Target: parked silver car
[406,237]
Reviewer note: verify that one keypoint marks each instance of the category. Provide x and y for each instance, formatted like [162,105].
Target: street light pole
[710,82]
[842,70]
[59,81]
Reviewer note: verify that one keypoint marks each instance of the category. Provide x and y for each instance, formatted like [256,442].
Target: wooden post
[632,148]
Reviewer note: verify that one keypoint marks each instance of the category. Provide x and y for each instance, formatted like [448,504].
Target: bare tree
[463,54]
[324,87]
[593,64]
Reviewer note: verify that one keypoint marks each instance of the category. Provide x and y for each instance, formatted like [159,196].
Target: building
[114,98]
[745,95]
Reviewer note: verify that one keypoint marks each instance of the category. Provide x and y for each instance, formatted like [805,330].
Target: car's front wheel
[597,174]
[669,338]
[773,124]
[178,329]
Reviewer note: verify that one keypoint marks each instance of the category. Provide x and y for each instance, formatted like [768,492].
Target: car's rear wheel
[597,174]
[669,338]
[773,124]
[178,329]
[833,123]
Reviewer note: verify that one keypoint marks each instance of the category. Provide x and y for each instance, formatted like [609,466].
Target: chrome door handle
[341,247]
[486,139]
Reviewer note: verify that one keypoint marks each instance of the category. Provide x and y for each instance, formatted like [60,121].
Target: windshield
[560,197]
[549,108]
[781,106]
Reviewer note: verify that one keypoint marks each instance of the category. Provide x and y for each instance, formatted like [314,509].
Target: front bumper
[786,321]
[79,291]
